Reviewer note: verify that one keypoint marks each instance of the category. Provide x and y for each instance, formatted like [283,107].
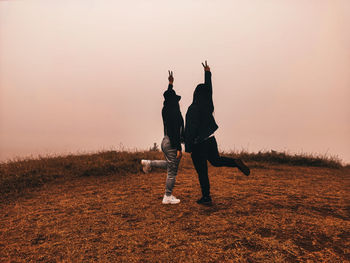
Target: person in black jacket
[171,145]
[199,136]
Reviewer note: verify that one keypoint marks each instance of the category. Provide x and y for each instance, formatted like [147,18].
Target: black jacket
[200,122]
[172,119]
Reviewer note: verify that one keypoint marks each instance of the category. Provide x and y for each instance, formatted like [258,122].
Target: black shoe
[205,200]
[242,167]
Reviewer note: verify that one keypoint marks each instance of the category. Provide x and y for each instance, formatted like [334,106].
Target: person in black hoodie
[171,145]
[199,136]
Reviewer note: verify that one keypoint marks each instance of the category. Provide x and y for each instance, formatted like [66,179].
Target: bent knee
[215,162]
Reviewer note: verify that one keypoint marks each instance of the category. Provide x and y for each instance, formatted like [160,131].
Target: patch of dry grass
[21,175]
[279,213]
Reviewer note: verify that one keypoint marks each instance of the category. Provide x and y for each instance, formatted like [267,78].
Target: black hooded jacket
[200,122]
[172,119]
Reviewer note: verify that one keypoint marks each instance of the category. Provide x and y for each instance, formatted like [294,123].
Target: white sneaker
[146,166]
[170,200]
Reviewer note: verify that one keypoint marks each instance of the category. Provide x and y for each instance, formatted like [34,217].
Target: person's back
[171,144]
[173,124]
[200,122]
[200,140]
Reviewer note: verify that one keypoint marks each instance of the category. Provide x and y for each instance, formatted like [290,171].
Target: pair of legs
[208,151]
[171,163]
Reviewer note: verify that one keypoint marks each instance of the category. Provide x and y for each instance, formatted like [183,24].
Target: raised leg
[159,164]
[216,160]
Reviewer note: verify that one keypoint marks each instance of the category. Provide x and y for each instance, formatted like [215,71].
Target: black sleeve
[191,128]
[207,81]
[182,130]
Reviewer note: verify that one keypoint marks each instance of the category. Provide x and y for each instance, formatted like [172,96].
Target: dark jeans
[208,150]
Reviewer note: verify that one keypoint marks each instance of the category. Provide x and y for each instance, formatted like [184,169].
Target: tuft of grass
[275,157]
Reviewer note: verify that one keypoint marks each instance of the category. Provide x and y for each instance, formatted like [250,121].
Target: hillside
[102,208]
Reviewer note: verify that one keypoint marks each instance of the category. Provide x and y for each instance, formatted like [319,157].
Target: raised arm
[207,76]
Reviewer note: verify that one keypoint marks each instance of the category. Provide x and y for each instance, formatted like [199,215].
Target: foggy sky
[81,76]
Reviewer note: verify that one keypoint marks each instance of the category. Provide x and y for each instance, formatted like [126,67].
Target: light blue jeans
[171,163]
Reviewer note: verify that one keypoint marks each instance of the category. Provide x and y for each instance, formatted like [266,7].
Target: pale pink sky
[89,75]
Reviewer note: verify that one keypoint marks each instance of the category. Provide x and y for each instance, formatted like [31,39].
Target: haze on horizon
[89,75]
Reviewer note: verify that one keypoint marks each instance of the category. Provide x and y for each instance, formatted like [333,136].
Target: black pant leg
[213,155]
[199,159]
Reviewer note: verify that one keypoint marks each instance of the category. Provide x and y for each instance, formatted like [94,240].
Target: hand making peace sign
[205,66]
[171,77]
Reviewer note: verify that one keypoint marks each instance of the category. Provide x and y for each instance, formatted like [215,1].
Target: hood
[200,94]
[171,96]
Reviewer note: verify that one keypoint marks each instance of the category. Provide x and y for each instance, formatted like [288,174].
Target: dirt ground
[277,214]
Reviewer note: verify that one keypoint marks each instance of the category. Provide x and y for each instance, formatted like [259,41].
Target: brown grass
[101,208]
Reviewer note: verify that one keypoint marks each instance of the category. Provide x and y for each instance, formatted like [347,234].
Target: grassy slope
[280,213]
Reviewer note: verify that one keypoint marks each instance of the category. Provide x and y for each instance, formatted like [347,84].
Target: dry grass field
[102,208]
